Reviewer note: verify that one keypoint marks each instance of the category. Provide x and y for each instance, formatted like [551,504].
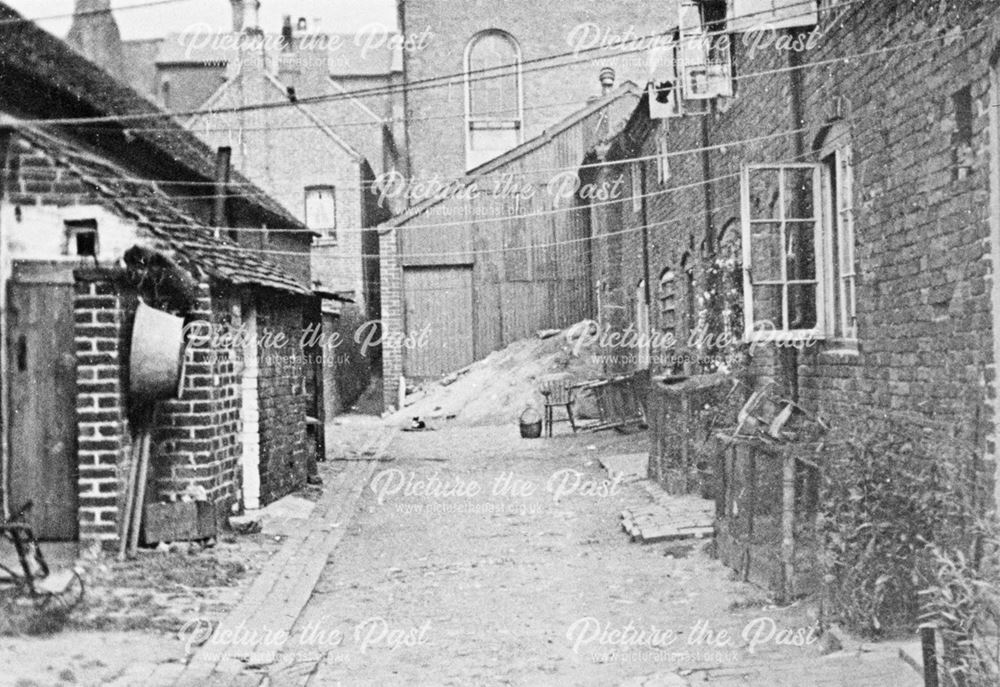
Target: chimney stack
[286,33]
[94,34]
[607,78]
[239,15]
[242,20]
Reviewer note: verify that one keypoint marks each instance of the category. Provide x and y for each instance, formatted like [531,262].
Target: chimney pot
[239,15]
[607,78]
[286,32]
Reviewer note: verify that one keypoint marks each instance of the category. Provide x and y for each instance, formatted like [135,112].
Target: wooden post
[126,524]
[929,654]
[788,524]
[685,440]
[140,490]
[750,473]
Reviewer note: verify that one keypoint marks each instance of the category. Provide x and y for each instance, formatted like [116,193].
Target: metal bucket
[530,423]
[155,359]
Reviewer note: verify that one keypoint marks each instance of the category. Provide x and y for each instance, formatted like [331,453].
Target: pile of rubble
[495,390]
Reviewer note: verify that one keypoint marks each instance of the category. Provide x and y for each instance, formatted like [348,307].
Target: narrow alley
[475,557]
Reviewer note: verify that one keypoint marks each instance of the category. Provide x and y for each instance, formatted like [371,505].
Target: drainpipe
[645,230]
[706,174]
[5,135]
[788,355]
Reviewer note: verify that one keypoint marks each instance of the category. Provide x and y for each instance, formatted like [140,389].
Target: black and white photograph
[475,343]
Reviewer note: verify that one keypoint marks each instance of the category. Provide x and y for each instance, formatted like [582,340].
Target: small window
[321,210]
[662,158]
[81,237]
[635,173]
[961,139]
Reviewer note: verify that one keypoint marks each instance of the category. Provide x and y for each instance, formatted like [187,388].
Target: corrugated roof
[152,209]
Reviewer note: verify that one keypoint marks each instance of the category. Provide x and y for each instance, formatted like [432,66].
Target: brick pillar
[391,282]
[197,436]
[102,425]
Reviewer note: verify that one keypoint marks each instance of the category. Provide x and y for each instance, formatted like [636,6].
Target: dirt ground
[473,557]
[128,623]
[532,582]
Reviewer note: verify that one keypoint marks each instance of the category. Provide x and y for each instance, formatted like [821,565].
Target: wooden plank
[438,300]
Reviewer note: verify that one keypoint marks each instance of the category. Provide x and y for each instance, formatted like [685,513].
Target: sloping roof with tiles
[41,77]
[171,228]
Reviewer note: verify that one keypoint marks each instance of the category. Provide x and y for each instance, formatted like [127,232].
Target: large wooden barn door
[41,364]
[439,319]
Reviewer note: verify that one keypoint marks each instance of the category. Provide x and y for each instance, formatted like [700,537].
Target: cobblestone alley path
[463,566]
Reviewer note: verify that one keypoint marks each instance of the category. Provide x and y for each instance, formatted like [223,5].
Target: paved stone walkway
[241,649]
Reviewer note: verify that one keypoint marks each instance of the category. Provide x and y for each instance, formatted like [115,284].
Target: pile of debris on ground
[495,390]
[663,517]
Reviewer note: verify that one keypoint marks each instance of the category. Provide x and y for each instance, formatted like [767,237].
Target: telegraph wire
[421,84]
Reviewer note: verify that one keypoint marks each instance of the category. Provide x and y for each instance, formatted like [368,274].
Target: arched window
[493,102]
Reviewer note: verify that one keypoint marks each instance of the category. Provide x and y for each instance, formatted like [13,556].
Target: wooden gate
[439,321]
[41,368]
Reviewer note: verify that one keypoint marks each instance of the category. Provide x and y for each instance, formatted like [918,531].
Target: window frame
[644,358]
[635,177]
[326,233]
[698,53]
[667,298]
[821,256]
[662,158]
[844,272]
[74,229]
[495,123]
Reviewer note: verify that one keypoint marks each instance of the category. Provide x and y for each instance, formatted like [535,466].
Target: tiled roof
[173,229]
[42,77]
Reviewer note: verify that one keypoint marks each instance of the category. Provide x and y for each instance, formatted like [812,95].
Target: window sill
[842,348]
[325,241]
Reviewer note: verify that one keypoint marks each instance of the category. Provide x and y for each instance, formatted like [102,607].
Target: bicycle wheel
[65,594]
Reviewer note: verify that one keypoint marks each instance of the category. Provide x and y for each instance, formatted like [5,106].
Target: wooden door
[439,322]
[42,419]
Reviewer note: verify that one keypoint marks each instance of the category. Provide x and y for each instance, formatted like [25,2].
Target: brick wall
[285,449]
[923,237]
[391,281]
[102,422]
[197,436]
